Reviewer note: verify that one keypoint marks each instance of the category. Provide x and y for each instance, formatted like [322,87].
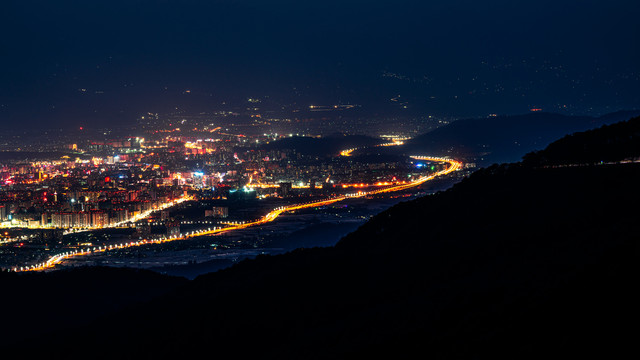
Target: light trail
[133,219]
[347,152]
[395,141]
[143,215]
[271,216]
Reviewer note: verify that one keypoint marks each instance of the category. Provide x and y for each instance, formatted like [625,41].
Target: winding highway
[453,165]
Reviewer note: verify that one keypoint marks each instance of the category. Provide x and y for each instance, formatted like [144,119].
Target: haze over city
[78,63]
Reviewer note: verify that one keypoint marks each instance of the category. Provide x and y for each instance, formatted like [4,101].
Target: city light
[271,216]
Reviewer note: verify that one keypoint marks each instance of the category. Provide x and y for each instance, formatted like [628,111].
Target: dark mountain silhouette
[616,142]
[325,146]
[505,138]
[38,303]
[517,260]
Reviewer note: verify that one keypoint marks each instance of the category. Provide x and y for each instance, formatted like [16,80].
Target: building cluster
[109,181]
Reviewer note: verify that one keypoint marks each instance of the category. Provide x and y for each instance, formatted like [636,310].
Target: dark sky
[456,58]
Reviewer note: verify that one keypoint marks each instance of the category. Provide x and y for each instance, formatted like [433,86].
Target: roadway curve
[271,216]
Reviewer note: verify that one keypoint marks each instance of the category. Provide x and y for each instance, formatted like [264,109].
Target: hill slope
[326,146]
[610,143]
[38,303]
[505,138]
[514,261]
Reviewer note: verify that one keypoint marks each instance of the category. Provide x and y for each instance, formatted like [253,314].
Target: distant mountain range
[504,138]
[484,141]
[520,260]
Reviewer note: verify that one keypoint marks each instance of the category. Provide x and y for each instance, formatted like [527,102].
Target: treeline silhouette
[610,143]
[515,261]
[505,138]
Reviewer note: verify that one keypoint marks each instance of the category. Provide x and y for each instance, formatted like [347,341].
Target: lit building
[218,212]
[99,218]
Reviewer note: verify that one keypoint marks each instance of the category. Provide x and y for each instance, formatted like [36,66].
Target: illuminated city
[328,179]
[51,210]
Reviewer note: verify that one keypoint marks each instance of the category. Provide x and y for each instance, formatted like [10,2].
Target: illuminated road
[395,141]
[133,219]
[141,216]
[271,216]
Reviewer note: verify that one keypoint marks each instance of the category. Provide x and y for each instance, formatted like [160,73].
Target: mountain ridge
[505,138]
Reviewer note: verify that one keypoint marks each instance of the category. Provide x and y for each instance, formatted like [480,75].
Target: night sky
[70,63]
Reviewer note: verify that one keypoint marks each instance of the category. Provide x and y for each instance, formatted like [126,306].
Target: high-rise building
[173,228]
[220,211]
[44,219]
[99,218]
[62,220]
[56,220]
[67,220]
[81,220]
[285,189]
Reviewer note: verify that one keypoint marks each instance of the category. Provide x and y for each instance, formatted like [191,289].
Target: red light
[107,179]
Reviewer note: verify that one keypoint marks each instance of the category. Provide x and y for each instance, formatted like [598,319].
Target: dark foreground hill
[516,261]
[539,261]
[505,138]
[35,304]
